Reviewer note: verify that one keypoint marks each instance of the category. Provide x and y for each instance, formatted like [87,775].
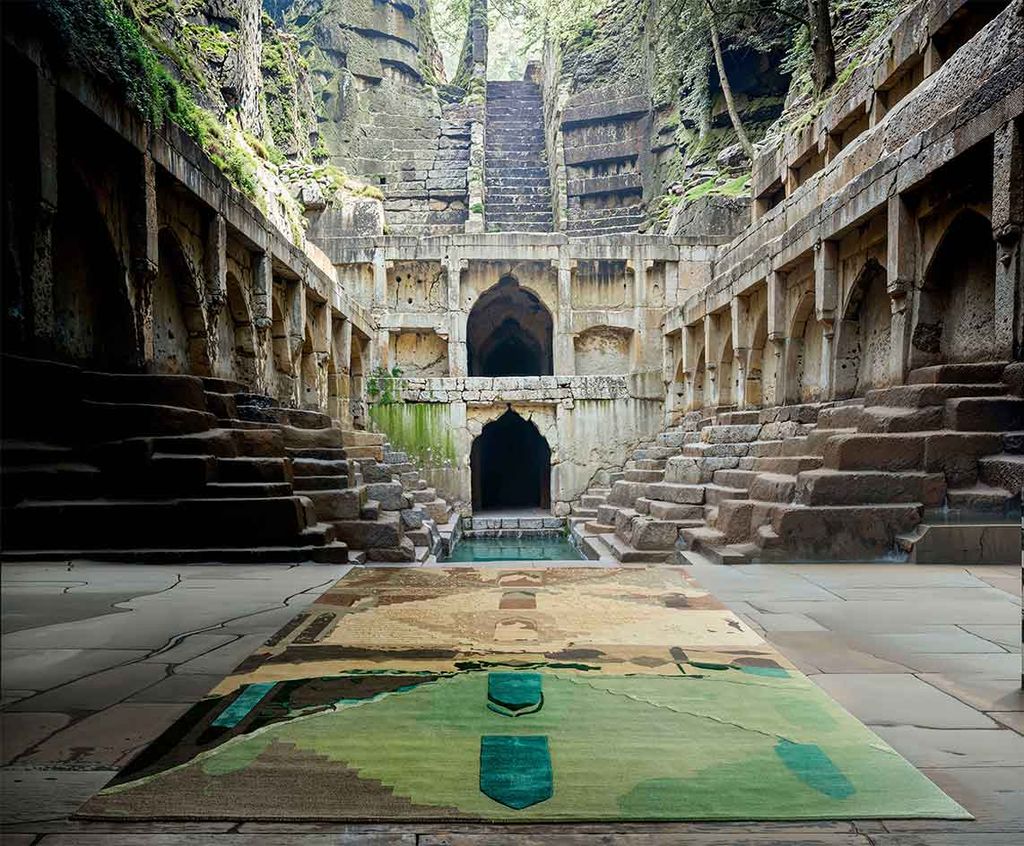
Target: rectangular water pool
[554,548]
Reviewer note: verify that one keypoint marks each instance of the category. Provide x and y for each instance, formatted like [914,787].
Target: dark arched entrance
[511,465]
[956,313]
[509,333]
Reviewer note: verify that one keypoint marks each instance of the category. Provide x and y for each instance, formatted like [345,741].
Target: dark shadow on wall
[509,333]
[511,465]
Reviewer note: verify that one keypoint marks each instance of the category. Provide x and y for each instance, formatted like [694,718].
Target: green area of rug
[562,694]
[725,746]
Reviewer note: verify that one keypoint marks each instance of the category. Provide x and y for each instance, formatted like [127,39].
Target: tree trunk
[734,116]
[823,65]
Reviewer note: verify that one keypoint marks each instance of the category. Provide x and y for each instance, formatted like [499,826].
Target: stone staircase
[832,481]
[179,468]
[516,181]
[427,518]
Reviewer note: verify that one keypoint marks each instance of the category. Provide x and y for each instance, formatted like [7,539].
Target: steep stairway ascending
[516,181]
[175,468]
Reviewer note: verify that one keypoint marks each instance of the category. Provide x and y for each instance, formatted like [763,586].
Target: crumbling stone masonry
[819,376]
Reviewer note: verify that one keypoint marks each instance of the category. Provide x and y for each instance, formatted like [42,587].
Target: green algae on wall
[423,430]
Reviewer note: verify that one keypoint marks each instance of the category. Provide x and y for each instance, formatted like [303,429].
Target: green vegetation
[384,387]
[98,38]
[423,430]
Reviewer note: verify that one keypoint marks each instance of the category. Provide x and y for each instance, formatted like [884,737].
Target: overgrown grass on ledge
[96,37]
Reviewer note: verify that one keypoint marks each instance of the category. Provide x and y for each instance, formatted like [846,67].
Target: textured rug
[518,695]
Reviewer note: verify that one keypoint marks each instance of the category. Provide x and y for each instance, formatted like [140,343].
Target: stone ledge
[532,389]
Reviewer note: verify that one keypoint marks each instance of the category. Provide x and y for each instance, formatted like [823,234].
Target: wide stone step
[50,481]
[662,510]
[989,371]
[983,499]
[918,396]
[773,487]
[319,483]
[332,552]
[954,453]
[842,532]
[249,469]
[179,391]
[741,479]
[318,467]
[644,475]
[722,450]
[504,226]
[247,489]
[985,414]
[628,554]
[1004,470]
[682,494]
[715,494]
[884,418]
[115,421]
[337,504]
[323,453]
[173,523]
[789,465]
[730,434]
[739,418]
[837,487]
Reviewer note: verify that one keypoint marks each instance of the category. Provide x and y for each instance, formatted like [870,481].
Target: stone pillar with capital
[458,356]
[901,269]
[39,328]
[1007,225]
[564,352]
[145,248]
[826,295]
[738,316]
[777,332]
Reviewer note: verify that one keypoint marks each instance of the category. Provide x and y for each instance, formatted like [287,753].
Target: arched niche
[803,359]
[955,319]
[179,325]
[94,322]
[862,335]
[509,333]
[510,463]
[240,333]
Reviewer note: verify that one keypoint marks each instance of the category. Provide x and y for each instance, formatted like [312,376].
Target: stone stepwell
[517,186]
[162,468]
[931,468]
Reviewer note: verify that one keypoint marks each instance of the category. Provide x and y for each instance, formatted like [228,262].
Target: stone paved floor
[97,660]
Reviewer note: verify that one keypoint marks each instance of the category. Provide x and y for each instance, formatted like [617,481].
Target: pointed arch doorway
[511,466]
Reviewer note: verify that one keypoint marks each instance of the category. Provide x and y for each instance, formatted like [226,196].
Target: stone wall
[375,70]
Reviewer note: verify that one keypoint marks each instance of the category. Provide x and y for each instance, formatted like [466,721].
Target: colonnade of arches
[953,309]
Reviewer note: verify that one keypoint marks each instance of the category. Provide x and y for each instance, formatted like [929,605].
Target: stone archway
[510,464]
[803,358]
[241,335]
[862,336]
[94,322]
[509,333]
[180,342]
[956,304]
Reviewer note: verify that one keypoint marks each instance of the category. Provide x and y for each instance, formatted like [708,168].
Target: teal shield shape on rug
[516,770]
[514,694]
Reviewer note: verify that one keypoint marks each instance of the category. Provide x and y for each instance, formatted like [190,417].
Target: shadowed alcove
[511,465]
[509,333]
